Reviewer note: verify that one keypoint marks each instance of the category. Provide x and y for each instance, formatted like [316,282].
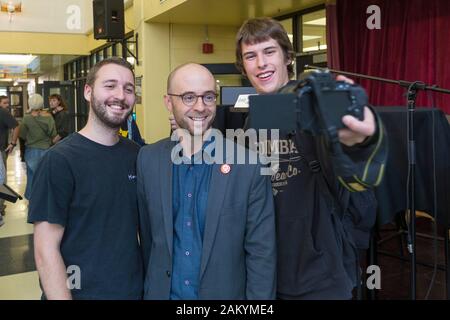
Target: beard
[101,112]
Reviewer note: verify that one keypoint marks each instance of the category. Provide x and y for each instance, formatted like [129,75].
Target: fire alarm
[208,47]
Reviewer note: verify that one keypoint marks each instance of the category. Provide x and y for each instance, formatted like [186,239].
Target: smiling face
[112,96]
[194,79]
[265,65]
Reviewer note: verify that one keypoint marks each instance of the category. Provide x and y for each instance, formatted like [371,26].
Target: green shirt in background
[38,131]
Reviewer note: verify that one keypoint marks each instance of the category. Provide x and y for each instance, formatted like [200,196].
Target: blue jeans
[32,158]
[4,158]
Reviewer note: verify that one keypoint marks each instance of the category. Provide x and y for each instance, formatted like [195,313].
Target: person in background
[7,123]
[38,130]
[2,181]
[130,130]
[59,111]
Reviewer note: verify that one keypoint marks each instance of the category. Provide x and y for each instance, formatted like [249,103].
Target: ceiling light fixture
[16,59]
[11,7]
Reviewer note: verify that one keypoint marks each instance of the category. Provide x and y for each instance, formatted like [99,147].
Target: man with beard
[207,224]
[83,204]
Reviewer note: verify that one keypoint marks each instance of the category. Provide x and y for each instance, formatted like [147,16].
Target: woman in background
[59,111]
[38,130]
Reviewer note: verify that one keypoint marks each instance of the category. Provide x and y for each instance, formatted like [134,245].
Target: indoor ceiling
[13,67]
[230,12]
[26,19]
[51,16]
[216,12]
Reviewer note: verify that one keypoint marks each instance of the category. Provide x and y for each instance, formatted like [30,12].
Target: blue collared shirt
[190,194]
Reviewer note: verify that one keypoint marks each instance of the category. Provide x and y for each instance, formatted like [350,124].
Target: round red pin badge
[225,168]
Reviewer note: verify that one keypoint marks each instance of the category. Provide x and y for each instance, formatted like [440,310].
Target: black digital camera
[314,104]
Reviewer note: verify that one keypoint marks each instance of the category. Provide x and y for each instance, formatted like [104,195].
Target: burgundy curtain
[412,44]
[332,35]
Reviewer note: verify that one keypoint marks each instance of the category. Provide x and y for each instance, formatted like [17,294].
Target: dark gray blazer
[239,247]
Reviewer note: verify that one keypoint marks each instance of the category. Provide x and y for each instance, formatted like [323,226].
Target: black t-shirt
[90,189]
[7,122]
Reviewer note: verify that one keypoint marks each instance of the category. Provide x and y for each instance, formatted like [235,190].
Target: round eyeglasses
[190,98]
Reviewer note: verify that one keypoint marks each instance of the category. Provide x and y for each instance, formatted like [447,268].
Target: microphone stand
[412,90]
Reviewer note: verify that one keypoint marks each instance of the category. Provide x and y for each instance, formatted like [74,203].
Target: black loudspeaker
[109,19]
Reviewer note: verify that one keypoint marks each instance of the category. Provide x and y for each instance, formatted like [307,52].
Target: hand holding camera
[357,131]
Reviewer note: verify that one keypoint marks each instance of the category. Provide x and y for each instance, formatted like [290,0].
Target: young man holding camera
[317,254]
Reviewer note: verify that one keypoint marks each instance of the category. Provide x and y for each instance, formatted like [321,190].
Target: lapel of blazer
[216,196]
[166,191]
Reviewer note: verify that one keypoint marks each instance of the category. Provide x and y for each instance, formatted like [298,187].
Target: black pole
[447,260]
[412,88]
[401,83]
[412,94]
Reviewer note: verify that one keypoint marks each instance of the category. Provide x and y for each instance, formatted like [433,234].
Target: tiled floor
[18,276]
[16,212]
[21,286]
[19,280]
[396,272]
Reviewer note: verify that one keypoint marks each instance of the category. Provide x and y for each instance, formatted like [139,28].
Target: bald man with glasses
[207,229]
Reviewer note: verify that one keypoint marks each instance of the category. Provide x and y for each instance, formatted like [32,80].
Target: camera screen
[337,104]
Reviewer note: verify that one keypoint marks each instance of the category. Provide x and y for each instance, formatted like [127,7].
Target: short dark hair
[258,30]
[92,75]
[3,97]
[60,100]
